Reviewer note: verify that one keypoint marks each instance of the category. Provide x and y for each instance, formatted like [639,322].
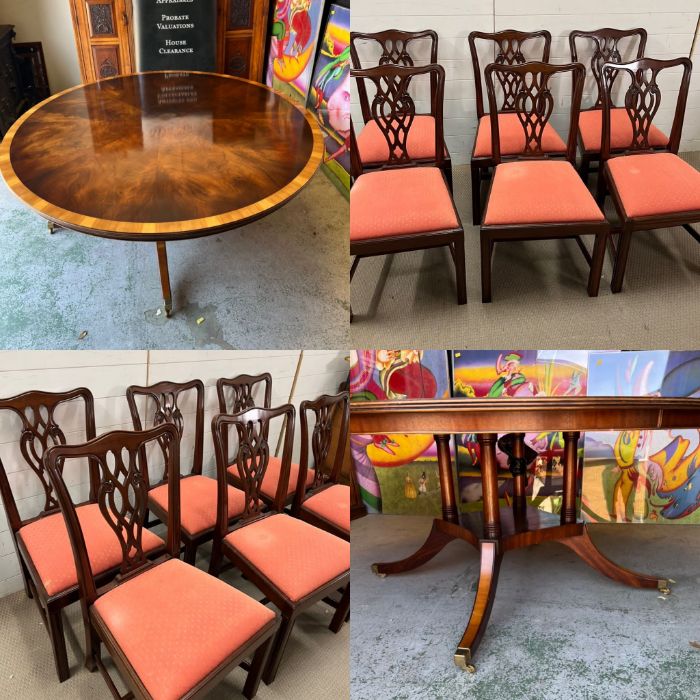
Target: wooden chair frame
[252,427]
[509,44]
[131,518]
[397,111]
[36,411]
[395,46]
[606,50]
[641,117]
[324,410]
[499,530]
[533,127]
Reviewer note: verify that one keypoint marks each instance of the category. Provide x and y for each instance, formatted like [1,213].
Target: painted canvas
[643,476]
[329,96]
[295,30]
[398,473]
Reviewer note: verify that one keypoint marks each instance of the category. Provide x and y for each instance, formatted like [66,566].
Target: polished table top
[161,156]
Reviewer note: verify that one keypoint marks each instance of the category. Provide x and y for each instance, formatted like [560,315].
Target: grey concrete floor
[314,667]
[279,282]
[558,629]
[539,294]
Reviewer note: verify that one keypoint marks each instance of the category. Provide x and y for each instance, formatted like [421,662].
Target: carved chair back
[318,419]
[394,109]
[40,430]
[162,405]
[642,100]
[533,103]
[606,49]
[251,429]
[122,496]
[397,48]
[511,48]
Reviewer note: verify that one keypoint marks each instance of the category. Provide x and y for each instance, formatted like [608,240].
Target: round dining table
[161,156]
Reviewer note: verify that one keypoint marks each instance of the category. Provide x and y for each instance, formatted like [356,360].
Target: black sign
[176,34]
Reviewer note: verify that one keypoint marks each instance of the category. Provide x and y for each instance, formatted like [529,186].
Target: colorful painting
[329,97]
[295,30]
[643,476]
[398,473]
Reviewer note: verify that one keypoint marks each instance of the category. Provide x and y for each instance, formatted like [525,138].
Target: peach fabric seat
[400,202]
[331,504]
[420,143]
[198,501]
[46,541]
[296,557]
[175,624]
[655,184]
[539,191]
[272,477]
[511,136]
[590,125]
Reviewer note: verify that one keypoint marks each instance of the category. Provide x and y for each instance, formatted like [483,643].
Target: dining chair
[327,503]
[171,630]
[605,47]
[41,541]
[293,563]
[399,48]
[161,403]
[404,205]
[533,195]
[510,47]
[650,187]
[236,395]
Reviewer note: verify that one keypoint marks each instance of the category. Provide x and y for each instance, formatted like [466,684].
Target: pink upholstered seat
[198,500]
[272,477]
[539,191]
[373,148]
[296,557]
[46,541]
[400,202]
[655,184]
[511,136]
[331,504]
[590,125]
[175,624]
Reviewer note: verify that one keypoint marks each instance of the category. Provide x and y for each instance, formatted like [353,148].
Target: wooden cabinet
[105,38]
[10,95]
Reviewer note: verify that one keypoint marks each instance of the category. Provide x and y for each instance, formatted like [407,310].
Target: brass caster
[463,659]
[52,227]
[662,585]
[376,572]
[168,312]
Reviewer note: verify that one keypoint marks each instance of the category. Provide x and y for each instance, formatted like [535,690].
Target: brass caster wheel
[168,313]
[52,227]
[463,660]
[663,587]
[376,572]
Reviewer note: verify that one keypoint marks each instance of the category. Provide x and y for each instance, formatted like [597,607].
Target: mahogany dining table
[161,156]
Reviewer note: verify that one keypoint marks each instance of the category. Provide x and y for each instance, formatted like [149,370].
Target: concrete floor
[315,665]
[539,294]
[558,629]
[280,282]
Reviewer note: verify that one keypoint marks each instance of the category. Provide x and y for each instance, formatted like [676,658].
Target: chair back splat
[642,100]
[533,103]
[122,496]
[164,406]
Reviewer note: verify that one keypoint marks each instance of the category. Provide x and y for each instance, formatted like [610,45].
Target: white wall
[671,25]
[47,21]
[107,374]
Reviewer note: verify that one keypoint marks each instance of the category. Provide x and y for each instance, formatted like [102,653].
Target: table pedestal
[503,529]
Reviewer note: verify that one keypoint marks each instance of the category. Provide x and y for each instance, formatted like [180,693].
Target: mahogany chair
[198,493]
[172,630]
[511,47]
[395,49]
[534,196]
[236,395]
[404,205]
[650,187]
[41,542]
[293,563]
[606,49]
[327,502]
